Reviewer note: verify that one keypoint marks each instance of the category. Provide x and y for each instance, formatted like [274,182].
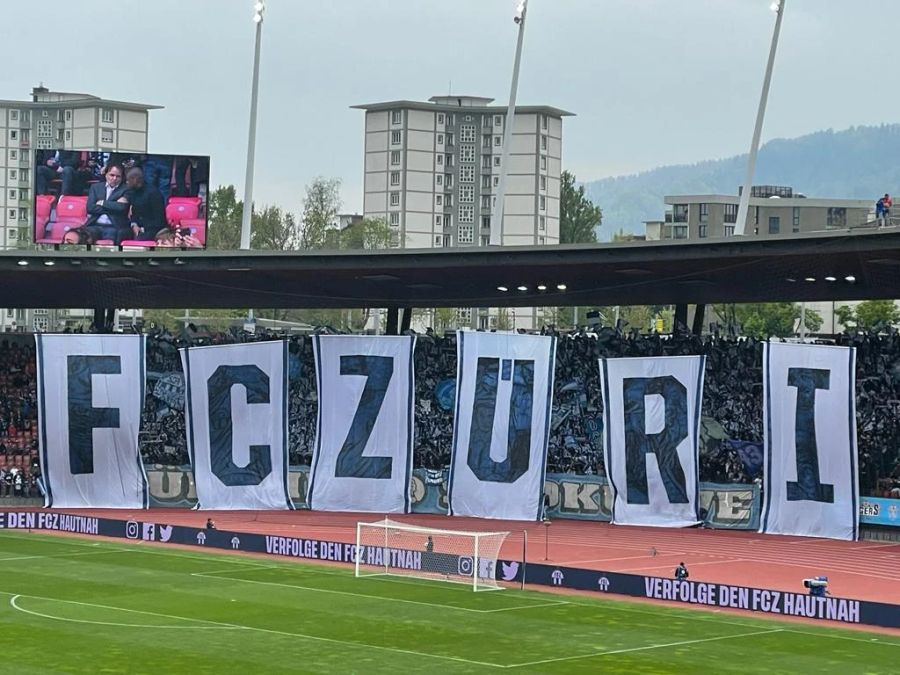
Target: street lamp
[259,10]
[496,238]
[744,204]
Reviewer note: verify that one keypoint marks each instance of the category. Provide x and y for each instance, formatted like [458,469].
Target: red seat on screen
[197,226]
[57,229]
[43,206]
[72,209]
[179,211]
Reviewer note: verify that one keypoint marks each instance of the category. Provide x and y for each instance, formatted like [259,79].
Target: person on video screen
[148,211]
[108,206]
[64,165]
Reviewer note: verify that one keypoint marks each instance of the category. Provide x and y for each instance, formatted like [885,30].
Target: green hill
[857,163]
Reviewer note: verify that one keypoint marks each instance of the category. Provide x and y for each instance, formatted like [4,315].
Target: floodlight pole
[259,8]
[744,204]
[496,237]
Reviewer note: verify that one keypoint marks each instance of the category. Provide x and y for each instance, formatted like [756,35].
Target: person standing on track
[681,572]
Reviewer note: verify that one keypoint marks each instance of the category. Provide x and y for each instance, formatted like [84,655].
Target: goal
[389,547]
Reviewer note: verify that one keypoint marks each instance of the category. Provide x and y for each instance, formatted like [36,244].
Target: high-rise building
[53,119]
[432,170]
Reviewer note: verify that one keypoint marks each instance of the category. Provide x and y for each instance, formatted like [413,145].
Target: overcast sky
[652,82]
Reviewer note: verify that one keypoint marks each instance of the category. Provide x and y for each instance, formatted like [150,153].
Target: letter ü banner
[236,412]
[90,397]
[652,415]
[810,463]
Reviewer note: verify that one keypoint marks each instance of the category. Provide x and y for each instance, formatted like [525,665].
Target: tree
[367,234]
[225,213]
[869,315]
[774,319]
[274,230]
[320,208]
[578,217]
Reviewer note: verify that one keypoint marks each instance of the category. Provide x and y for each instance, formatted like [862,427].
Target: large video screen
[89,198]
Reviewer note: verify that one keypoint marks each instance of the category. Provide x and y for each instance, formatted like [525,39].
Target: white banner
[504,388]
[652,418]
[363,455]
[810,464]
[90,398]
[236,415]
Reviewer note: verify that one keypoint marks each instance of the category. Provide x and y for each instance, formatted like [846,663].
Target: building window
[485,161]
[680,231]
[485,142]
[395,219]
[12,214]
[543,163]
[680,213]
[466,214]
[485,182]
[485,241]
[729,230]
[440,160]
[466,235]
[448,200]
[440,118]
[14,154]
[44,129]
[704,213]
[59,134]
[542,201]
[13,115]
[542,240]
[703,230]
[13,134]
[395,178]
[448,180]
[440,139]
[396,116]
[68,135]
[496,181]
[543,121]
[439,179]
[466,194]
[448,160]
[23,175]
[731,213]
[12,195]
[438,220]
[108,116]
[542,224]
[395,158]
[68,115]
[497,160]
[437,241]
[774,225]
[106,136]
[395,138]
[543,142]
[439,200]
[485,222]
[837,217]
[446,241]
[543,182]
[59,115]
[756,215]
[451,140]
[485,201]
[498,120]
[395,199]
[451,119]
[497,141]
[467,174]
[467,153]
[467,133]
[796,223]
[485,120]
[12,174]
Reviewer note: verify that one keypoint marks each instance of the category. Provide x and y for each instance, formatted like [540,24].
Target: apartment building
[50,120]
[774,211]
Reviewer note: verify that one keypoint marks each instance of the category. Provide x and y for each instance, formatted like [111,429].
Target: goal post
[387,547]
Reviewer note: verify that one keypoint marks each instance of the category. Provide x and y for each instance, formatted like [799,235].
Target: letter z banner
[90,398]
[504,388]
[237,424]
[652,415]
[810,458]
[363,454]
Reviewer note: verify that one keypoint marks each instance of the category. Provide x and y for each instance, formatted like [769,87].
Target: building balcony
[24,144]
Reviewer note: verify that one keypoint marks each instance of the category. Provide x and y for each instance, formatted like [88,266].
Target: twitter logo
[509,570]
[165,533]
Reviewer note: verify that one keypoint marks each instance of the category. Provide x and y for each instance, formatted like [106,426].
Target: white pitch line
[364,595]
[725,561]
[647,648]
[270,631]
[870,641]
[63,555]
[13,599]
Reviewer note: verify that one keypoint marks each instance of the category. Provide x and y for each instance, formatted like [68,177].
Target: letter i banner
[363,455]
[90,397]
[236,399]
[504,388]
[651,409]
[810,459]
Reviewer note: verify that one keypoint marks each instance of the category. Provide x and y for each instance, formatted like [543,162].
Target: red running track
[863,570]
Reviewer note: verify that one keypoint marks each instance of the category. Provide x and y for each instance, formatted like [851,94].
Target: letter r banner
[652,419]
[810,459]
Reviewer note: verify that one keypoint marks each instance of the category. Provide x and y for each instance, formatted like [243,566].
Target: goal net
[389,547]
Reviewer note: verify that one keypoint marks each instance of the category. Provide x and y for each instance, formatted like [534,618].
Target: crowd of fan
[732,400]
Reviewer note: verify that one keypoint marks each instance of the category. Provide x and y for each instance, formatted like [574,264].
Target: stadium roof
[833,266]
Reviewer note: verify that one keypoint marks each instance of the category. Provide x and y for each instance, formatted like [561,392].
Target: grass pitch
[79,606]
